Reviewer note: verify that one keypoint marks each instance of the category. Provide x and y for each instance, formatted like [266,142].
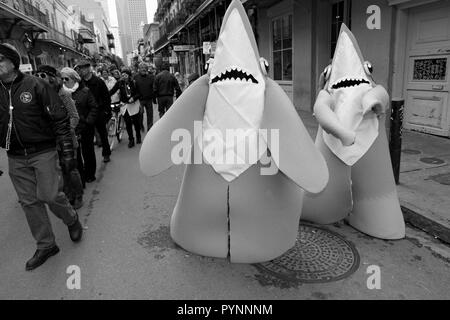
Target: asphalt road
[127,252]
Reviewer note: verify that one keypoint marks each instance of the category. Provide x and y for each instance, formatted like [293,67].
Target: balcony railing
[60,38]
[29,10]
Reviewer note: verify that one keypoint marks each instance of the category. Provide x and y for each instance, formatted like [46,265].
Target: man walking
[33,121]
[165,86]
[144,86]
[101,93]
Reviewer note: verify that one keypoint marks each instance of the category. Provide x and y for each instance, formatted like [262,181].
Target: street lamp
[27,42]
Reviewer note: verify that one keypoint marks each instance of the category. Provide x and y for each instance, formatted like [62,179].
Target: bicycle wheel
[111,132]
[120,129]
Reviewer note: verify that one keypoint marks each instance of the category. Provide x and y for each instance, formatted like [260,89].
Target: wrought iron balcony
[25,12]
[59,37]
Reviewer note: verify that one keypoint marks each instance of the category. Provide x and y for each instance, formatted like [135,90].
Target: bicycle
[116,125]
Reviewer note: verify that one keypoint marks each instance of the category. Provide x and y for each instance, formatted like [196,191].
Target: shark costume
[352,138]
[237,209]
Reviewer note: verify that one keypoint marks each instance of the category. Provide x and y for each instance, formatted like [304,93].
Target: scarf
[73,89]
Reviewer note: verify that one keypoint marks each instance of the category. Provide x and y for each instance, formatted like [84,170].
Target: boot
[75,230]
[40,256]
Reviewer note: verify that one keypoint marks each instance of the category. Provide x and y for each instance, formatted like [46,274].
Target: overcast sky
[151,9]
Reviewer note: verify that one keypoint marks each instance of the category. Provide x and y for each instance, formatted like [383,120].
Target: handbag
[132,108]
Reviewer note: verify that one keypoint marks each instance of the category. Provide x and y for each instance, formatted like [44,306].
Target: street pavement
[127,252]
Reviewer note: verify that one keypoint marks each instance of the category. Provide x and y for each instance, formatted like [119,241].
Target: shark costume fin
[156,152]
[294,153]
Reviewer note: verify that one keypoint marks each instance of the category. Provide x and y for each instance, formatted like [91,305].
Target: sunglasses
[41,75]
[65,79]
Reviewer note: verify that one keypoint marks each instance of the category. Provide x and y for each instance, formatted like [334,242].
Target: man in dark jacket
[165,86]
[101,93]
[32,122]
[144,86]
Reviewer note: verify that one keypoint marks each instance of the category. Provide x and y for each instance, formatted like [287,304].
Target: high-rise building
[132,15]
[105,6]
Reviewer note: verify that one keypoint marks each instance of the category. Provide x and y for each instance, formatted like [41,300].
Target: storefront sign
[183,47]
[26,68]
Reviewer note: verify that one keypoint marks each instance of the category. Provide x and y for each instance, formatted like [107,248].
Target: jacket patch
[26,97]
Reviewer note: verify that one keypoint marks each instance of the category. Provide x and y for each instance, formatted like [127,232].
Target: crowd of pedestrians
[48,124]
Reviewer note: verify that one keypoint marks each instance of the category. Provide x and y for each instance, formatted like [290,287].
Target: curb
[435,229]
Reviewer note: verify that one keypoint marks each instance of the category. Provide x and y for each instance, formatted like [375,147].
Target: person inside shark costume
[240,210]
[352,137]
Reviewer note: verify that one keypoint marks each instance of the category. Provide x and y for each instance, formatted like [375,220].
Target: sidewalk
[424,188]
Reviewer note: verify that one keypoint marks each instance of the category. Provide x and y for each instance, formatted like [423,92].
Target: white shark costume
[229,209]
[352,138]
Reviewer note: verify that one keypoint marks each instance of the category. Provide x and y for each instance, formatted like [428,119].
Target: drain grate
[432,161]
[319,256]
[443,179]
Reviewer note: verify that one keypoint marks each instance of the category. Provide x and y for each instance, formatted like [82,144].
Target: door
[427,70]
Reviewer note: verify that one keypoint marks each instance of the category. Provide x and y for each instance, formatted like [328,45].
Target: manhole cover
[318,256]
[442,179]
[410,151]
[432,161]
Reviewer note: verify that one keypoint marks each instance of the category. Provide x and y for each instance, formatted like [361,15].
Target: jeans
[164,103]
[88,153]
[100,125]
[36,180]
[148,106]
[131,121]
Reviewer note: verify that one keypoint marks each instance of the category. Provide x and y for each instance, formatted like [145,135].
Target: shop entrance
[427,69]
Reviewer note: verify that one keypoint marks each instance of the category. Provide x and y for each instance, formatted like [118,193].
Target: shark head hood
[348,69]
[348,80]
[235,101]
[236,59]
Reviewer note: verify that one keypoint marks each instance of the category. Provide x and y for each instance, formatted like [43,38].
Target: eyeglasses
[65,79]
[41,75]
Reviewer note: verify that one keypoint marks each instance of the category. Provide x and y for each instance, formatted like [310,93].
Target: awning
[87,35]
[20,19]
[162,46]
[60,45]
[197,12]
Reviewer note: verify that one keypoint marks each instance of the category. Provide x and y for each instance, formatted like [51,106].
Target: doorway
[427,65]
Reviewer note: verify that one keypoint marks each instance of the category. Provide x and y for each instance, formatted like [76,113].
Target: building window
[340,13]
[282,48]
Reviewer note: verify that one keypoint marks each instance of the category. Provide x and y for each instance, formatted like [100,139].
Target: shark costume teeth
[234,74]
[352,138]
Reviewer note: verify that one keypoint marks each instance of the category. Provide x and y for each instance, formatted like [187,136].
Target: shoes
[78,203]
[106,159]
[90,180]
[75,230]
[40,256]
[138,141]
[131,144]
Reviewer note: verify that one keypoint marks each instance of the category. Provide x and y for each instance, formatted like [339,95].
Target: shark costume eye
[327,72]
[368,67]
